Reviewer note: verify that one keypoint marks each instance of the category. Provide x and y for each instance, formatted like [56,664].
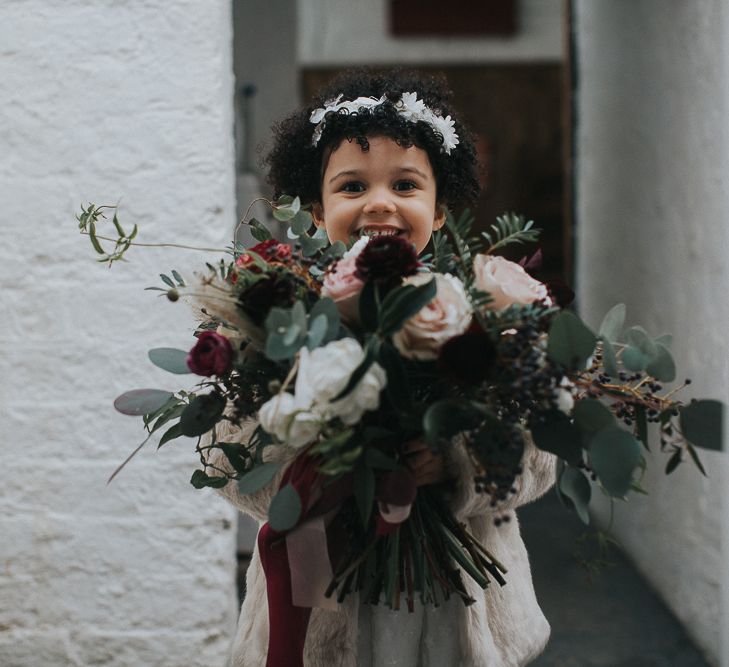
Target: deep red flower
[469,358]
[273,290]
[270,251]
[211,355]
[386,260]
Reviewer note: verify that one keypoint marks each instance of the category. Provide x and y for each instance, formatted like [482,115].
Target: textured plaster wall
[329,36]
[100,101]
[652,195]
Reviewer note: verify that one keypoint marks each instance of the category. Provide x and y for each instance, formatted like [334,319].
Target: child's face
[387,189]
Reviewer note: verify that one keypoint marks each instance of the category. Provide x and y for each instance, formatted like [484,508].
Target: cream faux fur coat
[504,628]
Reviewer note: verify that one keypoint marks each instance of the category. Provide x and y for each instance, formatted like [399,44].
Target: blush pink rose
[343,287]
[449,314]
[507,282]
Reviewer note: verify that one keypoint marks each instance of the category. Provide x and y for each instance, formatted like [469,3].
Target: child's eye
[353,186]
[404,186]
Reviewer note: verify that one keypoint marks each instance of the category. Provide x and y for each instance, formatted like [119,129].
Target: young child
[386,154]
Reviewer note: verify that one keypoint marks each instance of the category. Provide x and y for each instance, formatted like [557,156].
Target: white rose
[325,371]
[291,424]
[507,282]
[447,315]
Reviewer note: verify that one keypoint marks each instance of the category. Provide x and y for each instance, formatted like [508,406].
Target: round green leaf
[575,486]
[614,454]
[702,424]
[633,359]
[301,223]
[257,478]
[609,360]
[285,509]
[170,360]
[570,343]
[141,401]
[612,323]
[592,416]
[201,414]
[558,436]
[662,366]
[638,337]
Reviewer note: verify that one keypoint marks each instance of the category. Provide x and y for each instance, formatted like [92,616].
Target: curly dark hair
[296,167]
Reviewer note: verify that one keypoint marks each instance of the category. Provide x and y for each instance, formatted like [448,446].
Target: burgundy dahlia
[386,260]
[468,358]
[274,290]
[211,355]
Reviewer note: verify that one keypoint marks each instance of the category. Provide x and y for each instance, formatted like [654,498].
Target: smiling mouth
[373,231]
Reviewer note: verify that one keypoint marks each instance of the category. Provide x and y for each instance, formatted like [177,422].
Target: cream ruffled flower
[447,315]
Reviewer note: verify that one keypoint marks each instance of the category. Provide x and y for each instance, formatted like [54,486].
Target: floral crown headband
[408,106]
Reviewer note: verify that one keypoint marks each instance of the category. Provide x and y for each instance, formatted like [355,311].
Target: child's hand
[426,466]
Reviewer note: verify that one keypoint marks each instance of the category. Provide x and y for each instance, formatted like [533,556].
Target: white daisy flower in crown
[317,116]
[445,127]
[410,106]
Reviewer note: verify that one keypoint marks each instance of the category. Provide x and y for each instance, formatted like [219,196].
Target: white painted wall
[653,195]
[100,101]
[335,33]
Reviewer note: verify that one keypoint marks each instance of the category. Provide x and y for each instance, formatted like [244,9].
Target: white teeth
[379,232]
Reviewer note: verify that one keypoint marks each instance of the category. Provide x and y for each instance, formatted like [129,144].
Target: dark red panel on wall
[452,18]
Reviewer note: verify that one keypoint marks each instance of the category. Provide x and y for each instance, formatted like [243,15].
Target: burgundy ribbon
[287,621]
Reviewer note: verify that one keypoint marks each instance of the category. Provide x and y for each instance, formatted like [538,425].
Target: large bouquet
[346,354]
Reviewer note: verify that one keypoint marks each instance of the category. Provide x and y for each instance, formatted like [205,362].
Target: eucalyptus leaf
[286,212]
[570,342]
[301,223]
[638,337]
[662,366]
[257,478]
[633,359]
[609,360]
[559,436]
[167,280]
[142,401]
[285,509]
[310,245]
[575,486]
[170,360]
[325,306]
[613,322]
[592,416]
[702,423]
[202,414]
[317,331]
[614,455]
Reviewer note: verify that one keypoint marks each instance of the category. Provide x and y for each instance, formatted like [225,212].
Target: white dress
[428,637]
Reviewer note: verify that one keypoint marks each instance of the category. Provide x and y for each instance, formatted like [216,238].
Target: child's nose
[379,200]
